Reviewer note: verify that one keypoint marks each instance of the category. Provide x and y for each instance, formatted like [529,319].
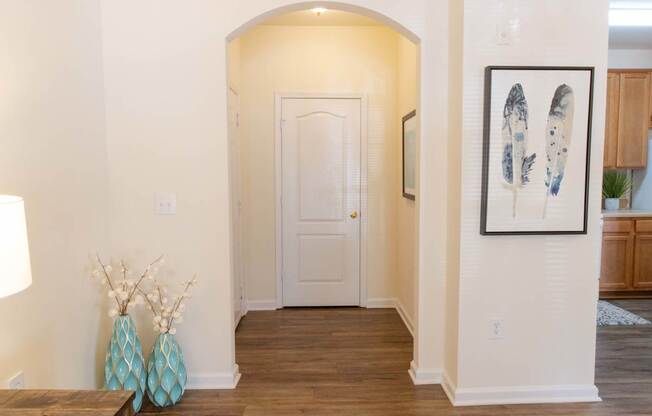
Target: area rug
[609,314]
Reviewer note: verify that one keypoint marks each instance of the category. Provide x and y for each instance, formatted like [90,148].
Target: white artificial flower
[113,313]
[165,313]
[176,314]
[164,301]
[172,331]
[108,268]
[104,281]
[111,294]
[164,323]
[157,319]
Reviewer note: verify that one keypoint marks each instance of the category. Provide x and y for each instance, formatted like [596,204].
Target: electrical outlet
[496,329]
[17,382]
[166,204]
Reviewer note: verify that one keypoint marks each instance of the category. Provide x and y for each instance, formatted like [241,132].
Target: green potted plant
[614,186]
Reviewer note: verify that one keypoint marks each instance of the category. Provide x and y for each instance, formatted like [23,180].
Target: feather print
[516,164]
[558,138]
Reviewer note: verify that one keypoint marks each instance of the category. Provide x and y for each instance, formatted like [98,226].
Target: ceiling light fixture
[319,11]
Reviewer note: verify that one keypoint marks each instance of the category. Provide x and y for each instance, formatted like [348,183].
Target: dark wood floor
[353,362]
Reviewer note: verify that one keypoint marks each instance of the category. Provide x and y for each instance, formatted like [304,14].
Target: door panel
[633,120]
[321,189]
[617,261]
[611,135]
[643,262]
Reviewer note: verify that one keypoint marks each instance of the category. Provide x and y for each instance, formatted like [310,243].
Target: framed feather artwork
[410,155]
[537,142]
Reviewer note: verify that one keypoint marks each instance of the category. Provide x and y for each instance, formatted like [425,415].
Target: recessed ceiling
[325,18]
[630,37]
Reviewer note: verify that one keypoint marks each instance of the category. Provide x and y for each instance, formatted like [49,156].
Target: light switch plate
[166,203]
[496,329]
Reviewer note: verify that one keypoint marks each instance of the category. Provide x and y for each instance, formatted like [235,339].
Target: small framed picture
[537,142]
[410,155]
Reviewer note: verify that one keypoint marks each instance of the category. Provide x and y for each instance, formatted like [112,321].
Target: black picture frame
[407,117]
[487,142]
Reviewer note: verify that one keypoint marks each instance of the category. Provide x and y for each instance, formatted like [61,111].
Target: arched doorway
[258,169]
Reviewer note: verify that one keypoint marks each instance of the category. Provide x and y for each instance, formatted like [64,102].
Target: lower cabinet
[626,258]
[643,256]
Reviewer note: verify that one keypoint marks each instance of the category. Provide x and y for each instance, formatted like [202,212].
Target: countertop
[627,213]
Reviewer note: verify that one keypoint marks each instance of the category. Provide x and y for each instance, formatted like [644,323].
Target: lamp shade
[15,270]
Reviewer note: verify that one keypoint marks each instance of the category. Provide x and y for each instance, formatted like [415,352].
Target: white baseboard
[422,376]
[520,394]
[261,305]
[406,319]
[210,381]
[393,303]
[381,303]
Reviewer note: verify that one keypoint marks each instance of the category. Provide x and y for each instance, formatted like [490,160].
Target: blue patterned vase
[124,368]
[166,380]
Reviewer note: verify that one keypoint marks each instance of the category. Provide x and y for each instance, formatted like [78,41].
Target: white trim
[392,303]
[405,317]
[381,303]
[563,393]
[278,192]
[423,376]
[278,195]
[209,381]
[262,305]
[448,387]
[364,192]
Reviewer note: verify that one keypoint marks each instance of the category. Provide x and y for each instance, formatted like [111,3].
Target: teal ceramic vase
[166,379]
[124,368]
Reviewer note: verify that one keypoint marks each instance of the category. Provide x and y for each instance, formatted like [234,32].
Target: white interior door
[321,140]
[236,204]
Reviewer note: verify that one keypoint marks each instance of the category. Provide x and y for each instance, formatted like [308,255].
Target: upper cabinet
[611,134]
[650,118]
[629,101]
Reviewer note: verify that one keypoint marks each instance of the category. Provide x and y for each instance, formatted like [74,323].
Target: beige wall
[325,59]
[165,96]
[52,152]
[406,222]
[544,287]
[165,80]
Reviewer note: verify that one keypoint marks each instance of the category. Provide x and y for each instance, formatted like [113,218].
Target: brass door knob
[354,214]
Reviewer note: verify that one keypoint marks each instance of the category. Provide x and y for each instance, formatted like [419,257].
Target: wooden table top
[65,402]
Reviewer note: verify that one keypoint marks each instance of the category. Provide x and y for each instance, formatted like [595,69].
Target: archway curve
[345,7]
[246,22]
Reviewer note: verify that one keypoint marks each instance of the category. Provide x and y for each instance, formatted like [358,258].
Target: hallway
[353,362]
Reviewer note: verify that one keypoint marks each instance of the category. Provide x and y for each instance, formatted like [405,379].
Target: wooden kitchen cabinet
[626,264]
[633,120]
[650,118]
[629,116]
[617,255]
[611,134]
[643,255]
